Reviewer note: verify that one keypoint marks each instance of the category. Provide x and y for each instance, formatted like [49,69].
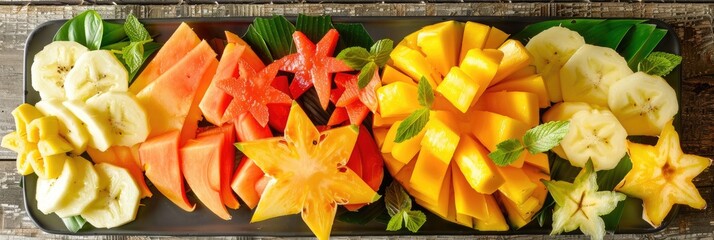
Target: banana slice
[83,189]
[95,122]
[96,72]
[118,199]
[51,66]
[125,116]
[70,127]
[589,73]
[549,56]
[71,192]
[643,103]
[597,135]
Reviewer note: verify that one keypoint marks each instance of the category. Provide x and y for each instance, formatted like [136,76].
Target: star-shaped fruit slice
[580,204]
[309,173]
[313,65]
[662,176]
[252,92]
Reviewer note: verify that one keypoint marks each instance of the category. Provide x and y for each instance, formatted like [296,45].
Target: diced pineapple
[441,44]
[476,166]
[475,35]
[397,99]
[460,89]
[522,106]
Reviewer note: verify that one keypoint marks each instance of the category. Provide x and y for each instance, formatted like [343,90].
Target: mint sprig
[659,63]
[536,140]
[74,223]
[416,121]
[399,207]
[135,30]
[367,61]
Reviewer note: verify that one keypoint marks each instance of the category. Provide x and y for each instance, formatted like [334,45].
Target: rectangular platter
[158,216]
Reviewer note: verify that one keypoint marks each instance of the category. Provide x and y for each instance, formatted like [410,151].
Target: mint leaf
[74,223]
[506,152]
[659,63]
[380,51]
[133,55]
[412,125]
[395,223]
[425,94]
[135,30]
[545,136]
[399,207]
[414,220]
[355,57]
[366,74]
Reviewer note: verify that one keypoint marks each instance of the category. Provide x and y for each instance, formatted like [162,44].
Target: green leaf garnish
[425,94]
[545,136]
[74,223]
[412,125]
[314,27]
[399,207]
[271,36]
[659,63]
[381,50]
[355,57]
[539,139]
[135,30]
[506,152]
[133,55]
[87,29]
[366,74]
[113,33]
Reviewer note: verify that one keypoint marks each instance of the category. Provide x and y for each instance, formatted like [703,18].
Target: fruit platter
[326,126]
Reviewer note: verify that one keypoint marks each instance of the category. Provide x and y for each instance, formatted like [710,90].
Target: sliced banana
[51,66]
[597,135]
[118,199]
[589,73]
[95,121]
[83,189]
[96,72]
[549,55]
[643,103]
[70,127]
[126,117]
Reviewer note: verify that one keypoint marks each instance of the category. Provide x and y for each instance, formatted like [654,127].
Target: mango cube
[391,75]
[441,44]
[495,38]
[474,36]
[466,200]
[515,57]
[440,140]
[460,89]
[478,169]
[414,64]
[522,106]
[428,176]
[496,221]
[517,186]
[533,84]
[397,99]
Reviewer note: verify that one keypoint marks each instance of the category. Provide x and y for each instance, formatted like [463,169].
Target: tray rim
[676,45]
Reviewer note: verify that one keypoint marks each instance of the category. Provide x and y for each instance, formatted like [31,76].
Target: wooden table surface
[692,23]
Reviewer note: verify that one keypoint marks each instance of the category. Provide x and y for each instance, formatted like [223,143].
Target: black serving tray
[158,216]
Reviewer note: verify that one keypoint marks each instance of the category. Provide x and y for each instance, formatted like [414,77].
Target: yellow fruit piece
[428,176]
[380,134]
[478,169]
[532,84]
[388,143]
[441,206]
[496,37]
[406,150]
[662,176]
[397,99]
[495,128]
[13,142]
[393,166]
[515,57]
[460,89]
[517,186]
[466,200]
[441,44]
[515,216]
[481,66]
[410,41]
[538,161]
[440,140]
[379,121]
[391,75]
[536,175]
[53,145]
[565,110]
[495,221]
[474,37]
[47,167]
[528,71]
[414,64]
[522,106]
[24,167]
[23,115]
[42,128]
